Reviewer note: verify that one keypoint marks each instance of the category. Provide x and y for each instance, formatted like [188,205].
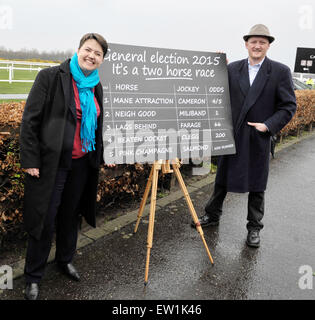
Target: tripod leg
[151,219]
[191,207]
[144,199]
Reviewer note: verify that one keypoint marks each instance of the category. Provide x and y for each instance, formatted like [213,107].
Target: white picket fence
[14,65]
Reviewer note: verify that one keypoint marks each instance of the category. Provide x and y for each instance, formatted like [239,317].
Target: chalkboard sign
[164,104]
[305,60]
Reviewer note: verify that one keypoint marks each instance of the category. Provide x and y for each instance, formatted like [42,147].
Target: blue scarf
[89,113]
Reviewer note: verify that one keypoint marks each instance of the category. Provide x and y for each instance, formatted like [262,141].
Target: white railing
[11,73]
[30,63]
[10,67]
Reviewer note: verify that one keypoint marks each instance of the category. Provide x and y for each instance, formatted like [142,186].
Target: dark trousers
[63,216]
[255,207]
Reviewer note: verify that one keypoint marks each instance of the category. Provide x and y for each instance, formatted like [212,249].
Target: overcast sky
[200,25]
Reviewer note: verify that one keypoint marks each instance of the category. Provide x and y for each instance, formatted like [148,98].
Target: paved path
[112,266]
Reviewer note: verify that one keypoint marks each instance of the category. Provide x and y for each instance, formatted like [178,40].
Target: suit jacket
[46,141]
[270,100]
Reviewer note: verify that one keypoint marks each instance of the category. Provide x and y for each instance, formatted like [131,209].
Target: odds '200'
[220,135]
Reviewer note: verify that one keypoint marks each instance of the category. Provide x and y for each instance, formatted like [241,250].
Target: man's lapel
[259,83]
[255,90]
[243,78]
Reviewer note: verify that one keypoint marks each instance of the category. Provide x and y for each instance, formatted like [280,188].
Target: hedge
[304,116]
[125,182]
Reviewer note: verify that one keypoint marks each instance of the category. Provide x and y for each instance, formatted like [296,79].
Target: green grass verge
[15,87]
[18,74]
[11,100]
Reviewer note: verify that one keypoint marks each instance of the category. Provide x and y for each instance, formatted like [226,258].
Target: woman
[61,150]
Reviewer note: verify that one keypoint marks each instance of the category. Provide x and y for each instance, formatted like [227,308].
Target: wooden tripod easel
[153,181]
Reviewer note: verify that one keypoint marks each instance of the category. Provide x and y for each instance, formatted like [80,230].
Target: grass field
[17,87]
[18,74]
[11,101]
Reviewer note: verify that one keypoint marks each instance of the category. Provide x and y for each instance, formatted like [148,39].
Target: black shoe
[206,221]
[253,239]
[70,271]
[31,291]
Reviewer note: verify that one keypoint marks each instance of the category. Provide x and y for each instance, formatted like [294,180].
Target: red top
[77,145]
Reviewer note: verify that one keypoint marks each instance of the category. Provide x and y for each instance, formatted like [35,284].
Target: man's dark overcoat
[46,142]
[270,100]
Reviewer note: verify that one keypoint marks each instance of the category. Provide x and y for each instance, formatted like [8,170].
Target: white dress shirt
[253,70]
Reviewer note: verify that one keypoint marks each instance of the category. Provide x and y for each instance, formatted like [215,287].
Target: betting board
[162,104]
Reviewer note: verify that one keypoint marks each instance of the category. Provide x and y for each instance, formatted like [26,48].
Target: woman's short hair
[102,42]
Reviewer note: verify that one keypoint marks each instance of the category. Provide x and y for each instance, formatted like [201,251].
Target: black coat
[270,100]
[46,141]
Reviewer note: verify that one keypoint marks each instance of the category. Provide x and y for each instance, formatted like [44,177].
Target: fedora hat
[259,30]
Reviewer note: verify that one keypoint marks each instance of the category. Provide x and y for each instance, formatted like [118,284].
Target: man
[262,103]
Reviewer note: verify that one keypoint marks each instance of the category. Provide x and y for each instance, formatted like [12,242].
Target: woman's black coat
[270,100]
[46,141]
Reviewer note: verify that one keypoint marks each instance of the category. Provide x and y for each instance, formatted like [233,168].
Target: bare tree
[27,54]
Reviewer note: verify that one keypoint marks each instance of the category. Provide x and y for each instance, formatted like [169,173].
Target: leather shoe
[31,291]
[70,271]
[253,239]
[206,221]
